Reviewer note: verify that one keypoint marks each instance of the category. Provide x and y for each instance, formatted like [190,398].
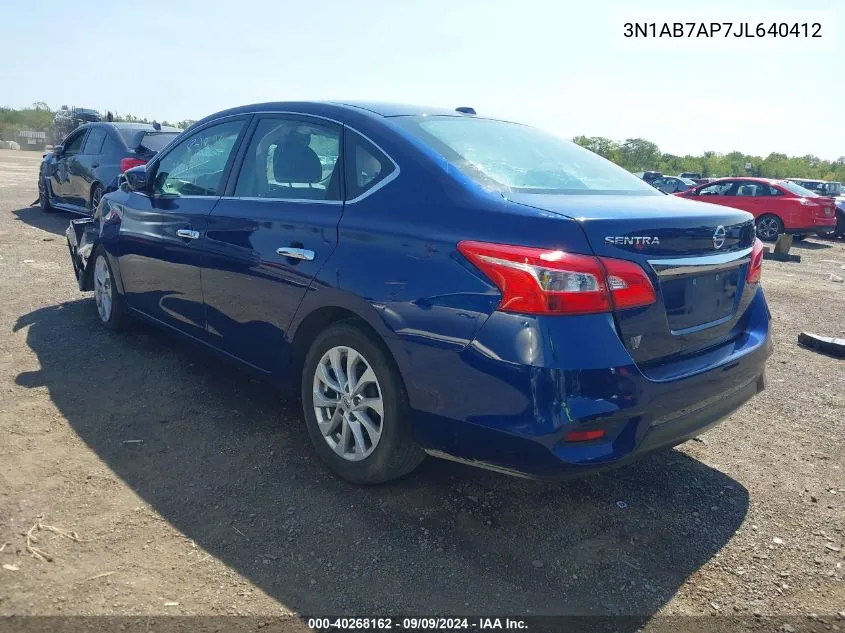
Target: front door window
[195,166]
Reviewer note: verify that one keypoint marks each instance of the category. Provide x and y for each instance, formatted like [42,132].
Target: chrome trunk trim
[683,266]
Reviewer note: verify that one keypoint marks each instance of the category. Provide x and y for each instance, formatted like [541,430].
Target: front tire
[96,196]
[43,196]
[768,227]
[108,300]
[356,409]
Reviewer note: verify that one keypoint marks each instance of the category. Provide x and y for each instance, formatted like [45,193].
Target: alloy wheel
[103,288]
[348,403]
[767,228]
[95,199]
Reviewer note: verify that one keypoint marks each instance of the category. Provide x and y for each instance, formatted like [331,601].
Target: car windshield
[511,157]
[798,190]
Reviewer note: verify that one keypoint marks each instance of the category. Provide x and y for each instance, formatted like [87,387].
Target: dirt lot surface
[193,489]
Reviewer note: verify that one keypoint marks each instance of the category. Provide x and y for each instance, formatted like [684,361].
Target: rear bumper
[823,225]
[507,401]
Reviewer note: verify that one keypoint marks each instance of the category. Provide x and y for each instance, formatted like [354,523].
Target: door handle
[188,234]
[94,165]
[296,253]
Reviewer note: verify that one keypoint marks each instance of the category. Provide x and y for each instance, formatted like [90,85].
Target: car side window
[94,141]
[74,144]
[366,165]
[111,146]
[195,166]
[775,192]
[717,189]
[746,189]
[292,159]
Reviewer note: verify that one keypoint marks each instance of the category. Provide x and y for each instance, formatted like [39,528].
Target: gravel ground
[193,489]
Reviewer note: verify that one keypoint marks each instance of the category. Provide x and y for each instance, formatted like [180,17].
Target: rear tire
[768,227]
[110,306]
[839,231]
[356,408]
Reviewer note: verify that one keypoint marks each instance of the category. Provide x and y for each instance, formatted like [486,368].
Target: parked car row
[778,206]
[427,283]
[74,175]
[796,206]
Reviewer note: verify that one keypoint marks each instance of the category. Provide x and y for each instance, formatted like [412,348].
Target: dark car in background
[75,175]
[648,176]
[672,184]
[821,187]
[692,175]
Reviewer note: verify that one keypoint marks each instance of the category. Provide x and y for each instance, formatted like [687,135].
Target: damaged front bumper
[82,235]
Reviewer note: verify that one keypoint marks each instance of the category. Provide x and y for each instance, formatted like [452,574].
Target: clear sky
[550,63]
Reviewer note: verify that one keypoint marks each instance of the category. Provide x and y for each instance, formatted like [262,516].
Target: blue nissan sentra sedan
[436,282]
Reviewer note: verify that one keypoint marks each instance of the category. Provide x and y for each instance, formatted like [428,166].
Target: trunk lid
[696,255]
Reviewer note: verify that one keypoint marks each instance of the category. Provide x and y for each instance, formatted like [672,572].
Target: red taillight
[129,163]
[755,266]
[629,285]
[583,436]
[541,281]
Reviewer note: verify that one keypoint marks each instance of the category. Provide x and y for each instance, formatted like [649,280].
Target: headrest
[295,162]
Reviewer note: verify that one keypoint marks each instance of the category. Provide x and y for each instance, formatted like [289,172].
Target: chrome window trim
[665,268]
[381,183]
[268,199]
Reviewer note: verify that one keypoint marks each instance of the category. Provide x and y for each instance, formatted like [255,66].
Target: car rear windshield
[152,140]
[511,157]
[156,141]
[798,190]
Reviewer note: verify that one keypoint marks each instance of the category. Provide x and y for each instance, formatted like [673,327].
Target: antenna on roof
[465,110]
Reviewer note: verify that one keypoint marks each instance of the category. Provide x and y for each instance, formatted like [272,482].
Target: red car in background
[778,206]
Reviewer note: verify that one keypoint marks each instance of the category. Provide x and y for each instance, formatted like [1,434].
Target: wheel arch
[308,326]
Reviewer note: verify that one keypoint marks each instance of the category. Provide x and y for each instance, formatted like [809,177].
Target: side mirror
[136,178]
[58,149]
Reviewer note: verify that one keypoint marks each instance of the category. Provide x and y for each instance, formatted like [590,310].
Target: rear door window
[94,141]
[292,159]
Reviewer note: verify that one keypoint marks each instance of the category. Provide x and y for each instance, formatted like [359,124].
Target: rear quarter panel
[397,266]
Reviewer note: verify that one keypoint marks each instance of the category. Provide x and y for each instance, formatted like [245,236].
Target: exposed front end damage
[82,236]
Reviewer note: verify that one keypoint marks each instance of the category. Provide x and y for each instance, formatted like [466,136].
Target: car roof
[121,125]
[767,181]
[369,109]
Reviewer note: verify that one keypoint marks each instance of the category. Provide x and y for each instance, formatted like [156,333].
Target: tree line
[634,154]
[41,118]
[637,154]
